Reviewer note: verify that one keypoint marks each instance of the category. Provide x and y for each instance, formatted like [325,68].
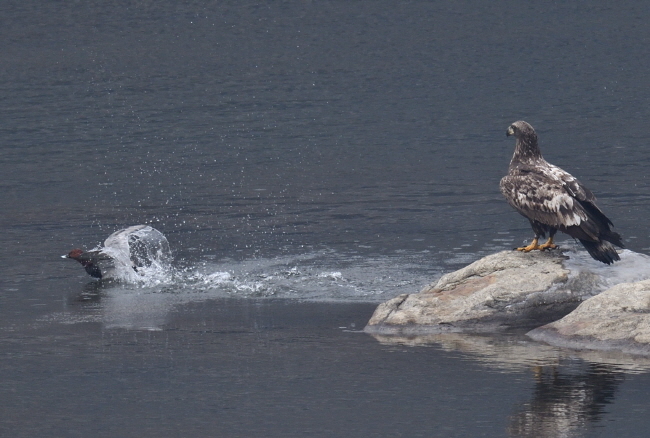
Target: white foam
[631,268]
[310,276]
[217,278]
[331,275]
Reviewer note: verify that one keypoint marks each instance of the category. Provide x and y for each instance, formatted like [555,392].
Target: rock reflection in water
[567,399]
[571,390]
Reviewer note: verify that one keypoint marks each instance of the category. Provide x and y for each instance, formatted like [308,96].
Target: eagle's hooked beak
[510,131]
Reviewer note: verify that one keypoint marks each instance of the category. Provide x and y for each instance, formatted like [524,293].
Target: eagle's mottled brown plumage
[552,200]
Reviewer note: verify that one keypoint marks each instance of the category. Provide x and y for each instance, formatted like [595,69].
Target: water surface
[306,160]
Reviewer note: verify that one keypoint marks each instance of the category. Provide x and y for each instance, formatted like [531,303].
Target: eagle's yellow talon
[548,245]
[535,246]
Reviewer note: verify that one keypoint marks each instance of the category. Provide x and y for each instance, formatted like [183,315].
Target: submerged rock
[616,319]
[507,289]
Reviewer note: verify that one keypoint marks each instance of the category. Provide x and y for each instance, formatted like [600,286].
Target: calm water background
[306,160]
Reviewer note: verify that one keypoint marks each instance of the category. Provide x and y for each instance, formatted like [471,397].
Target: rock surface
[506,289]
[616,319]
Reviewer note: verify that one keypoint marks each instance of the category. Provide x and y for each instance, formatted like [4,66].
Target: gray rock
[503,290]
[616,319]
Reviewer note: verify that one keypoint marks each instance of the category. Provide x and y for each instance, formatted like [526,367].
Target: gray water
[306,161]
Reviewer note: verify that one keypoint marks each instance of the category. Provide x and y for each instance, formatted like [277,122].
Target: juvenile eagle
[552,200]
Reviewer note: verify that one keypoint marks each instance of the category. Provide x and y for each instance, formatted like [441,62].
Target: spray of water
[140,255]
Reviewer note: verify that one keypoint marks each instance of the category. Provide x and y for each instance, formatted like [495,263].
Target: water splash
[140,254]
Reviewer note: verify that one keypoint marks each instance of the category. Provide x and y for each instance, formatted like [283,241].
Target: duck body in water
[92,261]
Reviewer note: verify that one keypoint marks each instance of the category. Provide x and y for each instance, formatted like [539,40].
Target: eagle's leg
[533,245]
[547,245]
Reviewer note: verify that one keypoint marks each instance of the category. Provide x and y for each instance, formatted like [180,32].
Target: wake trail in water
[143,261]
[139,257]
[318,275]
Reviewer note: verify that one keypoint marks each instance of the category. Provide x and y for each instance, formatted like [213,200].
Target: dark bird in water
[552,199]
[92,261]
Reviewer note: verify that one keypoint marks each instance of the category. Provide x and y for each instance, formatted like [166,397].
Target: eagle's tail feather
[613,237]
[601,224]
[603,251]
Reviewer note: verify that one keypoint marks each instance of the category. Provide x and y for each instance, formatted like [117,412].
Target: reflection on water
[571,388]
[566,400]
[297,365]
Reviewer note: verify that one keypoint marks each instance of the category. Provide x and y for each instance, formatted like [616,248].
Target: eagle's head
[526,148]
[521,129]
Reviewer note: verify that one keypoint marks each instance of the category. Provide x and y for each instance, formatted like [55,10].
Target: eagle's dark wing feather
[558,200]
[543,199]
